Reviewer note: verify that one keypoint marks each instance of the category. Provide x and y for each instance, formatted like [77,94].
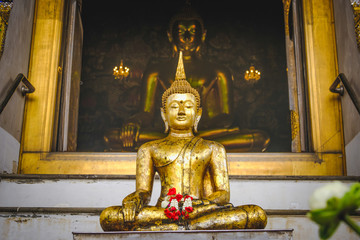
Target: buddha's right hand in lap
[129,211]
[131,206]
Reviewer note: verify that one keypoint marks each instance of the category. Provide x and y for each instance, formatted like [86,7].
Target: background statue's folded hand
[130,134]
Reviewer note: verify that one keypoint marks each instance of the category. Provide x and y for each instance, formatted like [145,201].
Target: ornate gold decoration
[180,85]
[5,8]
[356,8]
[121,72]
[295,128]
[180,71]
[286,4]
[252,75]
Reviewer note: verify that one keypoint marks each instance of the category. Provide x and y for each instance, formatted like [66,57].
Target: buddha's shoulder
[151,144]
[159,66]
[213,145]
[215,67]
[201,143]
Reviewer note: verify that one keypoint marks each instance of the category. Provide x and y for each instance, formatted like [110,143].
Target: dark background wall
[238,34]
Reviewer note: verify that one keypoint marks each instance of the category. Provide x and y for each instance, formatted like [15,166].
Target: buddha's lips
[181,118]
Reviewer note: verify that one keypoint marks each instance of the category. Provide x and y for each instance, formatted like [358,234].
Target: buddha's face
[187,36]
[181,111]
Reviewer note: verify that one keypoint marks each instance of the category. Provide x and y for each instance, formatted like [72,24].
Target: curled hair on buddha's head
[186,13]
[180,85]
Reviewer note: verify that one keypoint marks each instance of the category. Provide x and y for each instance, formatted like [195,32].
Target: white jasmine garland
[165,204]
[177,206]
[187,202]
[174,203]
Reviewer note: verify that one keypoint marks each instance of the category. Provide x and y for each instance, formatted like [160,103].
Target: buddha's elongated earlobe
[203,36]
[197,120]
[166,126]
[164,119]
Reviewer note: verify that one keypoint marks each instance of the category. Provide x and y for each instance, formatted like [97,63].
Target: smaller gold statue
[187,164]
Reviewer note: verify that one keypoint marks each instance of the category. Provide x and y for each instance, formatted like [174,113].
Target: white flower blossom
[174,203]
[164,204]
[187,202]
[319,198]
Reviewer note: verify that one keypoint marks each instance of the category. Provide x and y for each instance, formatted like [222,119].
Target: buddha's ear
[197,119]
[169,36]
[203,35]
[164,119]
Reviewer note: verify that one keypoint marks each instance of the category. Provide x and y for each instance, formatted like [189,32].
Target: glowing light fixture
[252,75]
[121,72]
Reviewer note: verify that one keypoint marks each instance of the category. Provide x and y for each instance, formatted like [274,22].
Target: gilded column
[40,108]
[293,88]
[322,69]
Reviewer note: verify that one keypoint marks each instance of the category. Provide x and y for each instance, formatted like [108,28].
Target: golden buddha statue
[213,82]
[187,164]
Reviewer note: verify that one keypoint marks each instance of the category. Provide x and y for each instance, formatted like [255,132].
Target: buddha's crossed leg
[210,216]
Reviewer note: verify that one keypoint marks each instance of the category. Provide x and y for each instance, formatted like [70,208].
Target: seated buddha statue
[213,82]
[186,164]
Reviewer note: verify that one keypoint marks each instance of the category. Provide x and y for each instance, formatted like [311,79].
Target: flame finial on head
[180,71]
[180,85]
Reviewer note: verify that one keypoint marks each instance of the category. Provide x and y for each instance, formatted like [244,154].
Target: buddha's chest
[182,151]
[185,173]
[182,160]
[198,79]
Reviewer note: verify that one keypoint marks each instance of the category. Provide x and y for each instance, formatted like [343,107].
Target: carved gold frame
[356,10]
[5,9]
[327,157]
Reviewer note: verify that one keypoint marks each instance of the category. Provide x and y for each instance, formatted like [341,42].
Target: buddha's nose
[181,110]
[187,35]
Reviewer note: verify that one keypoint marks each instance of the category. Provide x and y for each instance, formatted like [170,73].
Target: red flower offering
[177,205]
[178,197]
[172,191]
[189,209]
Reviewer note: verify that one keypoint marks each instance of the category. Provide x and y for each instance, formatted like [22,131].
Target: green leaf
[327,230]
[351,200]
[333,203]
[337,210]
[323,216]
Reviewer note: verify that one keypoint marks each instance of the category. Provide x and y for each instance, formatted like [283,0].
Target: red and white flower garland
[176,205]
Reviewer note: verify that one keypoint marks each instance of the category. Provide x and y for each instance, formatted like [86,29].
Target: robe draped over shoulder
[187,149]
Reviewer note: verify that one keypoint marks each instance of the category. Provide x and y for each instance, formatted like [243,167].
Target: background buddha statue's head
[186,31]
[181,103]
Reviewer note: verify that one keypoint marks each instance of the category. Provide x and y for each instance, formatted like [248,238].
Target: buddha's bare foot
[200,210]
[163,227]
[242,217]
[111,219]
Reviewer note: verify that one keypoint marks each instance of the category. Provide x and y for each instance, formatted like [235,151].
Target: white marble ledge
[189,235]
[88,191]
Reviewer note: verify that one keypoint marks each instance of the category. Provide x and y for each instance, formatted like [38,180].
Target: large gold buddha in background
[213,82]
[189,164]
